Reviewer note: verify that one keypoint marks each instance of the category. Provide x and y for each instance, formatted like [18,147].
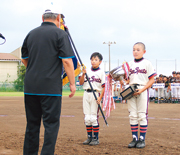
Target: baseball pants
[90,108]
[48,108]
[178,93]
[161,92]
[155,93]
[166,94]
[173,92]
[138,108]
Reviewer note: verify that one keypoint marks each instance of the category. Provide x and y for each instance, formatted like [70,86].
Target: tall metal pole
[75,50]
[109,44]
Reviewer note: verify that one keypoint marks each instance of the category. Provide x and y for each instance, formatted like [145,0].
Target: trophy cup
[122,73]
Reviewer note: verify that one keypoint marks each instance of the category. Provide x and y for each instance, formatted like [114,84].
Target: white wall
[8,70]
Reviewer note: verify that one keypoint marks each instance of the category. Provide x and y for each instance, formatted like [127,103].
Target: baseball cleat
[86,142]
[94,141]
[140,143]
[133,143]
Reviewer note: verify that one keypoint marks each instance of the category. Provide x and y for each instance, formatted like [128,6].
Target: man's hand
[72,89]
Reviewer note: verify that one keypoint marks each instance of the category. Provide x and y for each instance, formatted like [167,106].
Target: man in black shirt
[46,49]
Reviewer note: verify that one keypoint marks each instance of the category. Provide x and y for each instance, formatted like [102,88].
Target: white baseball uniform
[118,87]
[90,106]
[173,90]
[151,92]
[140,73]
[178,89]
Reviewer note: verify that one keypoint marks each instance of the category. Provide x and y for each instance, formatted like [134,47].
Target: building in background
[9,63]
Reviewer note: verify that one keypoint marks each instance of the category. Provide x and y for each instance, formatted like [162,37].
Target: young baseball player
[90,105]
[178,89]
[173,90]
[142,75]
[166,90]
[156,90]
[161,90]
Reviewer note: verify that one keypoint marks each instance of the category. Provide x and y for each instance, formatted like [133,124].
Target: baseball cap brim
[55,11]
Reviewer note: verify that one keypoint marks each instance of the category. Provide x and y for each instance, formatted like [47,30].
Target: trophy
[122,73]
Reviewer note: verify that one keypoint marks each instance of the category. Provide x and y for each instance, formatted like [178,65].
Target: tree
[19,82]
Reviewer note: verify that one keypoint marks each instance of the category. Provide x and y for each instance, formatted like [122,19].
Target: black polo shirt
[45,47]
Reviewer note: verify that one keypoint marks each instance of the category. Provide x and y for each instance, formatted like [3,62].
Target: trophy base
[128,92]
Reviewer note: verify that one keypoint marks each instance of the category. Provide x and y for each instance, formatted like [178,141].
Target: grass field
[65,93]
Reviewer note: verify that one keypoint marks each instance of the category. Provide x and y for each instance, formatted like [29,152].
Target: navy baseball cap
[174,72]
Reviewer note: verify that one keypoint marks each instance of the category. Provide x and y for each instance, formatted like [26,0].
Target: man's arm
[24,61]
[69,68]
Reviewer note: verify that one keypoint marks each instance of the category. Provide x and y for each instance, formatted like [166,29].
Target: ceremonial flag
[77,66]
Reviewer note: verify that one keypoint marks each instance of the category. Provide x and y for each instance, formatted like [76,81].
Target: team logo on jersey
[93,79]
[137,70]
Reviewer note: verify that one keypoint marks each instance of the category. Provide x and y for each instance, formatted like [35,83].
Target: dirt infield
[163,135]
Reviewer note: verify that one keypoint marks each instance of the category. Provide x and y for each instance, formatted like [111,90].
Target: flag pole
[66,29]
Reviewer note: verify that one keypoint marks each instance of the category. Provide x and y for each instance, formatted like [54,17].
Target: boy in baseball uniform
[173,89]
[90,105]
[166,89]
[178,89]
[161,90]
[142,75]
[156,90]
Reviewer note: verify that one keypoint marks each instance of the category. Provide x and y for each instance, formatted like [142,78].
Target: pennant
[108,101]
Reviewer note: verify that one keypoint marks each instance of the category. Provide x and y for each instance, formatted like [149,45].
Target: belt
[89,90]
[137,84]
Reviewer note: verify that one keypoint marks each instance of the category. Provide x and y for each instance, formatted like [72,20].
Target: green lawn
[65,93]
[11,94]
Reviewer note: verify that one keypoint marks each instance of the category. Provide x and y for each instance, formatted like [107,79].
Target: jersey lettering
[137,70]
[93,79]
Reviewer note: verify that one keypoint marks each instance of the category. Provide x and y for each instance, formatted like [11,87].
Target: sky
[156,23]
